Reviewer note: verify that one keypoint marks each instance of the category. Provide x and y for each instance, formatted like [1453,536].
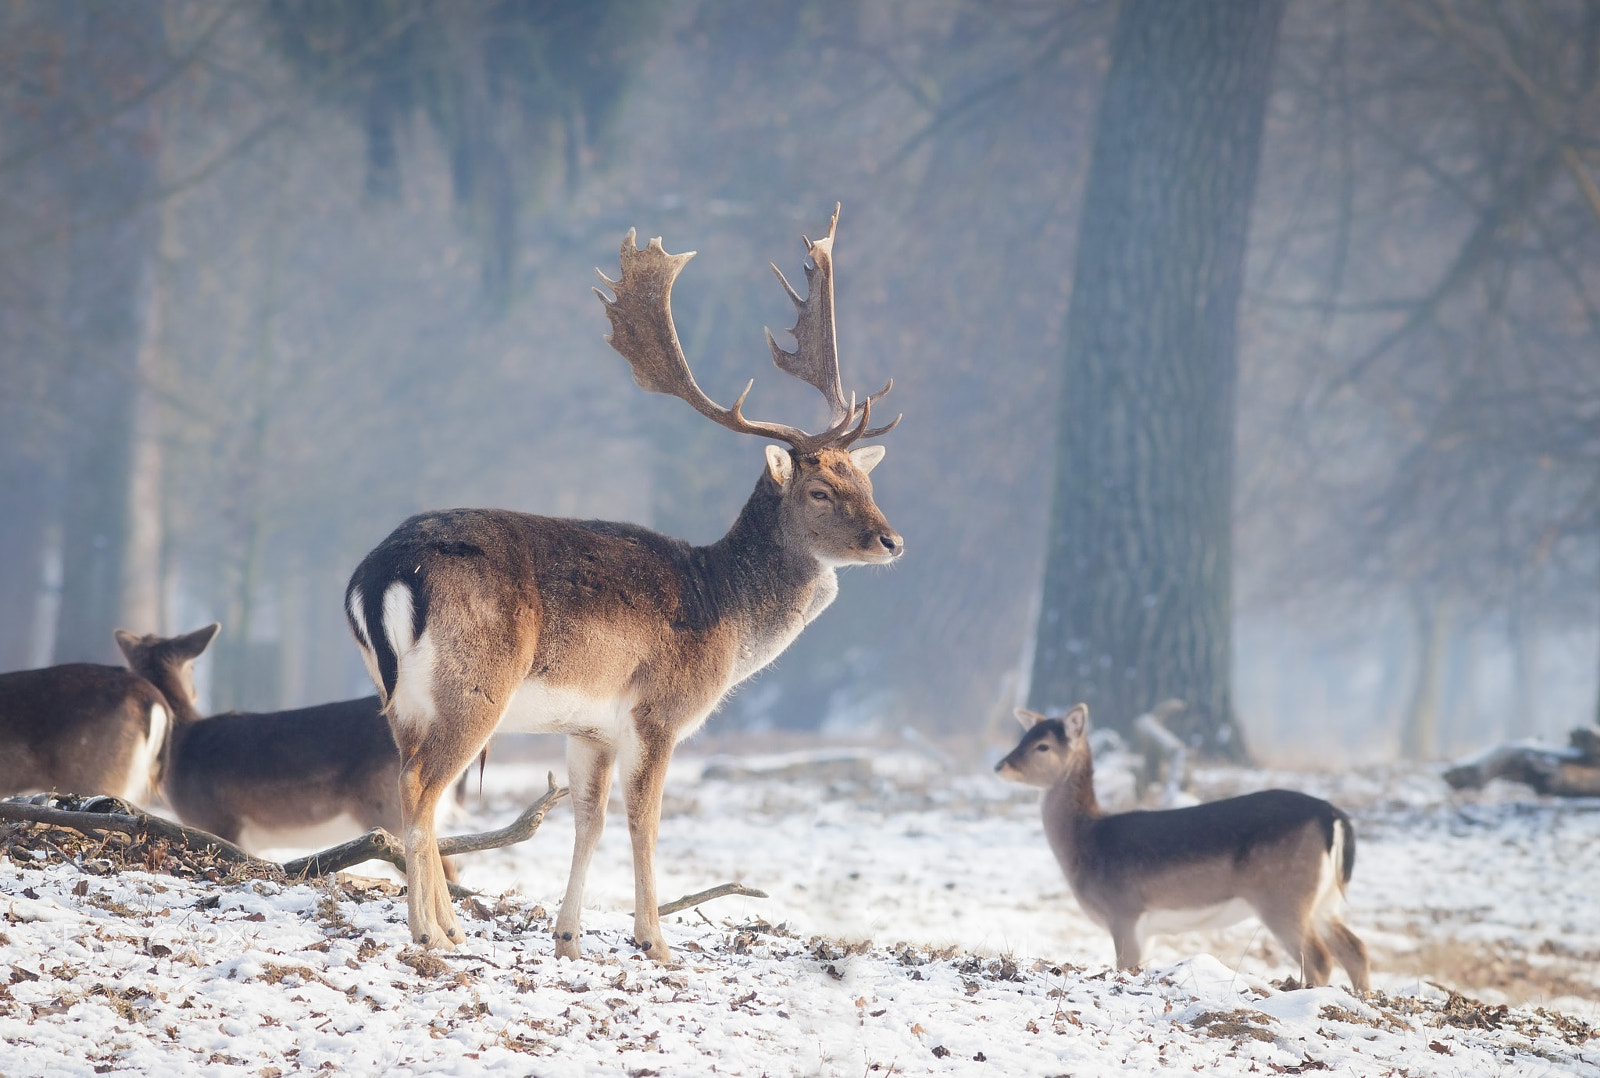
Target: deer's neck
[1069,807]
[767,584]
[182,709]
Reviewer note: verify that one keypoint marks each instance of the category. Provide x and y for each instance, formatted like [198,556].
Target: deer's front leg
[589,777]
[645,776]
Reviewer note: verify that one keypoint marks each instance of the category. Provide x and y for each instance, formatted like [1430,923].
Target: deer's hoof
[656,950]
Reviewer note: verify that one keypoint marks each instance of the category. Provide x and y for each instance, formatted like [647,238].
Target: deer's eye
[819,495]
[1041,747]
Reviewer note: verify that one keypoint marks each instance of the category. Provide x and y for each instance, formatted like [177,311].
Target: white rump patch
[1330,892]
[141,778]
[357,608]
[1193,919]
[413,705]
[397,617]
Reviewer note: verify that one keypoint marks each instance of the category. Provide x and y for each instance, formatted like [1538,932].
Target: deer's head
[1049,747]
[167,662]
[826,502]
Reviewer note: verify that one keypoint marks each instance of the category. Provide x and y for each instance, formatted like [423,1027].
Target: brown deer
[83,728]
[619,637]
[1282,855]
[269,779]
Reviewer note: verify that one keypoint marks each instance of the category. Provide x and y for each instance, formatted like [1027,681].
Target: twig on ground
[721,891]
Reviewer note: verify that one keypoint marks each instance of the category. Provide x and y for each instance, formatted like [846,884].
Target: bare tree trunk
[142,557]
[1138,576]
[1523,628]
[108,248]
[1419,738]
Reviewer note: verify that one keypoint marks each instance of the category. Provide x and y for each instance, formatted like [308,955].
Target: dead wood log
[721,891]
[1166,757]
[1585,740]
[1571,772]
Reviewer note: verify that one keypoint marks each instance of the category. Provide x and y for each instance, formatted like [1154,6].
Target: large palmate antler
[643,333]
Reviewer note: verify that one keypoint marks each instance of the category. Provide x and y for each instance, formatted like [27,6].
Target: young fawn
[82,728]
[268,779]
[1284,856]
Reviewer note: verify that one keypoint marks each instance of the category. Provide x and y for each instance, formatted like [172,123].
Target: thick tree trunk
[108,248]
[1138,578]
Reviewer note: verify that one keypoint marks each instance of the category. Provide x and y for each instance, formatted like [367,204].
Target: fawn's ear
[1076,720]
[192,644]
[126,641]
[1028,719]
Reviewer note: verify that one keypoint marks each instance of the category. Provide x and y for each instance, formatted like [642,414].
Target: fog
[271,284]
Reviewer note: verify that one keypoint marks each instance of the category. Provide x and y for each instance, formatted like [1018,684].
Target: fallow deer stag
[301,777]
[1282,855]
[621,638]
[84,728]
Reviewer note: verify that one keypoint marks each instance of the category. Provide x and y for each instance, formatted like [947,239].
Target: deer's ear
[867,457]
[127,642]
[1076,720]
[1028,719]
[196,642]
[780,465]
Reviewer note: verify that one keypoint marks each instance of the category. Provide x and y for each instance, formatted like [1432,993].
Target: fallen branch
[137,825]
[380,845]
[722,891]
[375,845]
[518,830]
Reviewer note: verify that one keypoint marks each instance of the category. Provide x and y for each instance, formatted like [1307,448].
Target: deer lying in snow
[1282,855]
[82,728]
[621,638]
[266,779]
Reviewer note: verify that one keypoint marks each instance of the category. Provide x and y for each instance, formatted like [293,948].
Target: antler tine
[878,432]
[815,359]
[642,332]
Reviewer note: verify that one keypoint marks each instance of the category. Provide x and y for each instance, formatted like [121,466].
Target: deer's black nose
[892,543]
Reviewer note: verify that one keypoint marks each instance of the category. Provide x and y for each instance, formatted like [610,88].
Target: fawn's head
[167,662]
[1049,747]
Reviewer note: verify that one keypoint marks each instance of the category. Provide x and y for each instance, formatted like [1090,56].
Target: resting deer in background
[1282,855]
[82,728]
[270,779]
[621,638]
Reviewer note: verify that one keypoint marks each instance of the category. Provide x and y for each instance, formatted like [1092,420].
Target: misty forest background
[275,274]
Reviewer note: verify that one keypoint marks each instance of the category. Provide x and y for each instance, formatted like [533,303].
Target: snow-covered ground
[916,924]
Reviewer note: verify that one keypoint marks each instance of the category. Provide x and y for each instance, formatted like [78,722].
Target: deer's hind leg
[438,727]
[1290,921]
[1350,952]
